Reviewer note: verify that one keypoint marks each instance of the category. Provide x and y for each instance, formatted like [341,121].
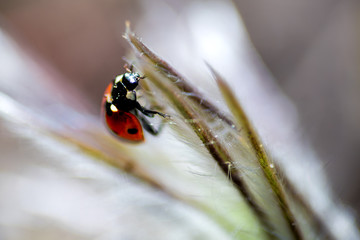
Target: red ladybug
[120,108]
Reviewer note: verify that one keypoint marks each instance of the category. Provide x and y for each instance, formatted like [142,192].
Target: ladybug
[120,108]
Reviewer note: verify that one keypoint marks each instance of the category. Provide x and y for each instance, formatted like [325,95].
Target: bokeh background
[310,47]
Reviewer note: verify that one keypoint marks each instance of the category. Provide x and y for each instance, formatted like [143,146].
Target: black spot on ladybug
[107,109]
[132,130]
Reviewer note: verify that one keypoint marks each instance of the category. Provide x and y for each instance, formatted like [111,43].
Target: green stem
[267,166]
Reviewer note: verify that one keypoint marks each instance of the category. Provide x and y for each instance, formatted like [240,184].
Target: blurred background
[310,47]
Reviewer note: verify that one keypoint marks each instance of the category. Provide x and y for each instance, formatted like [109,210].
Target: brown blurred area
[310,47]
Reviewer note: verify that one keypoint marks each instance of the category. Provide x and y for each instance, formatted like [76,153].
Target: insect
[120,108]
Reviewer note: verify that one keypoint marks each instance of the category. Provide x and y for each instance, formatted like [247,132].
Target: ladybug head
[131,80]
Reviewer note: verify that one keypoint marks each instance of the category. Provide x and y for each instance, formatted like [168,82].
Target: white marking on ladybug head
[118,78]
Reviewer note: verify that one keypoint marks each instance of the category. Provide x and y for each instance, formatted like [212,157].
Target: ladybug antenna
[129,68]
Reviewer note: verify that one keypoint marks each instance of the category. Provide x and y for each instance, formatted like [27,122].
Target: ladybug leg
[149,113]
[148,126]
